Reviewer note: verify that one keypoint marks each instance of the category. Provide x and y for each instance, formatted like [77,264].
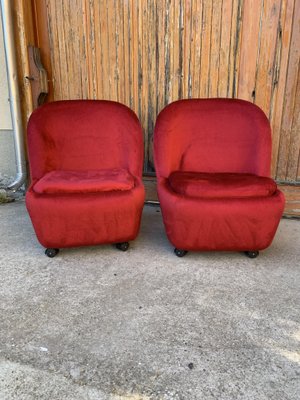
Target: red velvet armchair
[212,159]
[86,161]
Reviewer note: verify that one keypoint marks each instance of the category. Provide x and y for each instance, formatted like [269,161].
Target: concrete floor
[96,323]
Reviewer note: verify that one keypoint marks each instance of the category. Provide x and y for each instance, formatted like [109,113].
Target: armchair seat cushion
[221,185]
[91,181]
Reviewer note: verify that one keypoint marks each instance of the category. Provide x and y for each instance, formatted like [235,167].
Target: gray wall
[7,156]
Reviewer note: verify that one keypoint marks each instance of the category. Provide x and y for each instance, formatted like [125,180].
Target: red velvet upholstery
[223,185]
[212,159]
[86,160]
[84,181]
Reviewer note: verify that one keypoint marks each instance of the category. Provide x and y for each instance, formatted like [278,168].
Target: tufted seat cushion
[92,181]
[221,185]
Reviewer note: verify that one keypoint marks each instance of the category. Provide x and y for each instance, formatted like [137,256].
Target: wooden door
[147,53]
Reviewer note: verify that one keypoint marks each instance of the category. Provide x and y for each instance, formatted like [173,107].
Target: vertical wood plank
[267,50]
[120,67]
[196,48]
[160,54]
[289,99]
[125,42]
[38,26]
[97,57]
[186,48]
[205,48]
[167,83]
[225,45]
[283,47]
[89,46]
[103,46]
[249,46]
[135,58]
[235,47]
[112,51]
[57,60]
[175,49]
[215,48]
[293,165]
[143,32]
[24,35]
[152,90]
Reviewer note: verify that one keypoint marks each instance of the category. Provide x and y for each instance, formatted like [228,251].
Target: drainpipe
[14,95]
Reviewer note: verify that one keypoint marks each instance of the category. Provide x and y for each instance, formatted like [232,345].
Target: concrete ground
[96,323]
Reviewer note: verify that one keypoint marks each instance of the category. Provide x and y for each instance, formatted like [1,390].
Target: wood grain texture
[24,35]
[279,83]
[249,49]
[266,60]
[288,157]
[147,53]
[225,47]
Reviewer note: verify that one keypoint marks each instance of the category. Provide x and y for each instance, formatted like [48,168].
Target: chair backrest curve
[212,135]
[84,135]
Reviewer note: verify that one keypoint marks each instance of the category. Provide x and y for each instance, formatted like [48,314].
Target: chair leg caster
[179,252]
[124,246]
[252,254]
[51,252]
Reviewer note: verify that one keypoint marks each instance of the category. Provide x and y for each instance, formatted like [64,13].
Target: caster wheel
[124,246]
[51,252]
[180,253]
[252,254]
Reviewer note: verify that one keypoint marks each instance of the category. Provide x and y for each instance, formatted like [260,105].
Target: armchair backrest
[212,135]
[84,135]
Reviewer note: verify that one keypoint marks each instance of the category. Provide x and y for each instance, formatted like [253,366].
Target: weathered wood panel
[280,69]
[287,152]
[24,34]
[147,53]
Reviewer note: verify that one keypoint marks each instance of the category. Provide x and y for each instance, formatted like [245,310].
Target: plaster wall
[7,156]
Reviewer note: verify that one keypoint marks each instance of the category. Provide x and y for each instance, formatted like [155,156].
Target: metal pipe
[14,95]
[152,202]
